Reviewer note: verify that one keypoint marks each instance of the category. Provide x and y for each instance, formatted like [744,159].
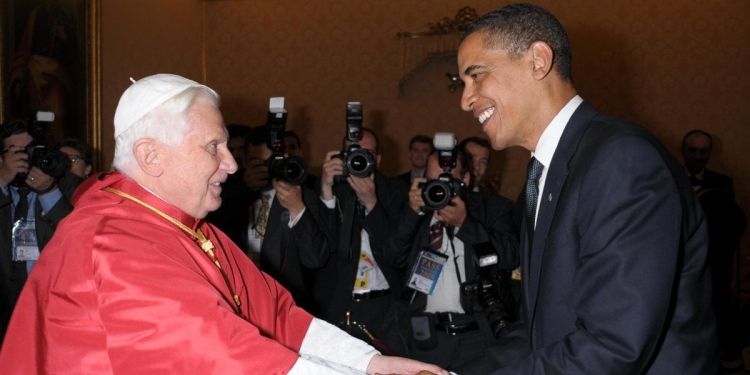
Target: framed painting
[50,60]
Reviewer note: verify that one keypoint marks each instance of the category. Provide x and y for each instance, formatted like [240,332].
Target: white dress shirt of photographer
[446,295]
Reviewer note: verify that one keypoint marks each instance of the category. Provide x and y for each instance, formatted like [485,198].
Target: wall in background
[670,65]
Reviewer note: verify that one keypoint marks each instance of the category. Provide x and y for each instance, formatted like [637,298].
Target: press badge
[427,271]
[366,263]
[25,246]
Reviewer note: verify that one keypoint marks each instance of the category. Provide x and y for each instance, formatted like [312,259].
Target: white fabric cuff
[294,221]
[331,203]
[331,344]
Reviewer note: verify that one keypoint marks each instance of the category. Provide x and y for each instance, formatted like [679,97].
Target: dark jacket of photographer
[488,219]
[46,222]
[335,282]
[287,254]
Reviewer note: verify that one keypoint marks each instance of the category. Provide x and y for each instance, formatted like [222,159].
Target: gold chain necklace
[206,245]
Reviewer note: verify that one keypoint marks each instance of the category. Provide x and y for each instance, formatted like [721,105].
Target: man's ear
[148,156]
[542,57]
[377,161]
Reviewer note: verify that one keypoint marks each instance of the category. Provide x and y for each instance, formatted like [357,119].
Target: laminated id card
[426,271]
[25,246]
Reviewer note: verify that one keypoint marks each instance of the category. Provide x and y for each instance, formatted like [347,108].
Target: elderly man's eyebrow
[469,70]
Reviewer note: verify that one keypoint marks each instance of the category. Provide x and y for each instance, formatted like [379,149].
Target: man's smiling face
[497,92]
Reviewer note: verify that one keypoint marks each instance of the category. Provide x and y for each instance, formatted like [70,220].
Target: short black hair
[460,158]
[477,140]
[238,130]
[515,27]
[257,136]
[79,146]
[364,130]
[420,138]
[291,133]
[701,132]
[12,127]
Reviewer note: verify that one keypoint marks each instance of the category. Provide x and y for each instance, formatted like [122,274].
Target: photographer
[359,212]
[448,328]
[269,218]
[32,203]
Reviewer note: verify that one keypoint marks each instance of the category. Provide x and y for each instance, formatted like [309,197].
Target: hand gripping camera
[50,161]
[491,289]
[291,169]
[358,162]
[438,193]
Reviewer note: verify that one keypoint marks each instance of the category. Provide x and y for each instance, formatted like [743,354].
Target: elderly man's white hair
[168,123]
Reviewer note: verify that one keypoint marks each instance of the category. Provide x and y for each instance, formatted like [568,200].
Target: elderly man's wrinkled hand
[380,364]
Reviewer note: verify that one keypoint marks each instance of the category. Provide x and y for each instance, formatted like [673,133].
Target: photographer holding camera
[360,207]
[35,197]
[268,214]
[441,242]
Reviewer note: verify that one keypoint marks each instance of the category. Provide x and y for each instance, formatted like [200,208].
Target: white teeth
[485,115]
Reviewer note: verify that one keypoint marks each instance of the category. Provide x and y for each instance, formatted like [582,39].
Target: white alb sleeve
[326,349]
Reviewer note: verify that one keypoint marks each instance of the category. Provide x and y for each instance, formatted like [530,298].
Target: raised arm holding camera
[360,204]
[268,215]
[456,249]
[35,195]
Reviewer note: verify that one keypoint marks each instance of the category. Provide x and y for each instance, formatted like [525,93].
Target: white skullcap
[146,94]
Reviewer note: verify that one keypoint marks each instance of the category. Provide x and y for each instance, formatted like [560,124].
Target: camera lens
[52,162]
[360,163]
[292,170]
[436,194]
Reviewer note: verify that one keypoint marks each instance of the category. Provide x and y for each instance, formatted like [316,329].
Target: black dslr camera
[291,169]
[437,194]
[358,162]
[50,161]
[490,289]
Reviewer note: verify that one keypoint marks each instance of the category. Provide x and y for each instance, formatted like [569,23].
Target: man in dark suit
[47,203]
[456,335]
[419,147]
[696,150]
[614,270]
[359,212]
[726,222]
[281,235]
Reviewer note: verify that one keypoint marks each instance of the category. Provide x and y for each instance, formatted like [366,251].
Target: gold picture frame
[69,51]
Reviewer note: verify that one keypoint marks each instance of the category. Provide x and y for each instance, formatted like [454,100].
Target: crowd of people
[194,255]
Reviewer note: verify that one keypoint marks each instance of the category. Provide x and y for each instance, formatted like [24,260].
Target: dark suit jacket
[488,219]
[335,282]
[46,222]
[287,254]
[715,180]
[617,280]
[406,177]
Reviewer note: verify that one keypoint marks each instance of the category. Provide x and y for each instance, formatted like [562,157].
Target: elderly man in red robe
[134,280]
